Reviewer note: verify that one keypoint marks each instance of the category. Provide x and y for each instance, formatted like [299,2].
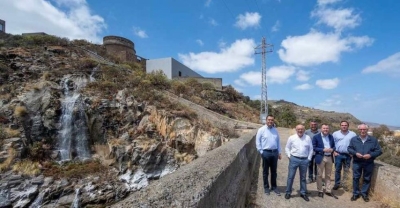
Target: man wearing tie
[324,145]
[299,149]
[268,145]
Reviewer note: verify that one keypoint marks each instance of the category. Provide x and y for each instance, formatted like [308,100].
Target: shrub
[73,170]
[20,111]
[6,164]
[10,133]
[208,86]
[87,63]
[27,167]
[159,80]
[179,87]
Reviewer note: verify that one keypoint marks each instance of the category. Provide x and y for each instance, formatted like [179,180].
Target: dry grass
[103,151]
[184,157]
[20,111]
[10,133]
[7,163]
[27,167]
[74,170]
[46,76]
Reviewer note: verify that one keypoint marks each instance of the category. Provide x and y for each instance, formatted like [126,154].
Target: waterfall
[73,133]
[75,203]
[91,77]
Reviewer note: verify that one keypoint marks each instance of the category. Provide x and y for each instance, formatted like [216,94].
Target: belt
[343,153]
[327,155]
[270,150]
[301,158]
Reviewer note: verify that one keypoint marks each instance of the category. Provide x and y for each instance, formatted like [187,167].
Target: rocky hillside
[77,131]
[80,128]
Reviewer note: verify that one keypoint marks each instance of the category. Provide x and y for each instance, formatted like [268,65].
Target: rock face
[134,141]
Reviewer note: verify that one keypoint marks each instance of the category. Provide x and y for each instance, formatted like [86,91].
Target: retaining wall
[221,178]
[386,182]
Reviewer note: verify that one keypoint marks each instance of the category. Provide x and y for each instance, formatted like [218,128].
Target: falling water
[73,133]
[75,203]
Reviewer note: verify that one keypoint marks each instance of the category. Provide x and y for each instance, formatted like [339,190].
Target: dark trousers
[269,163]
[312,169]
[342,160]
[365,169]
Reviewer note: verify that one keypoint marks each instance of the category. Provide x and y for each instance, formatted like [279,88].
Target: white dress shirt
[299,146]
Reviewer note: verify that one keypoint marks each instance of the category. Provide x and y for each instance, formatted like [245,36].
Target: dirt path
[263,200]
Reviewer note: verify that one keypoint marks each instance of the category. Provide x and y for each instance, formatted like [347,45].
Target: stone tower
[2,26]
[120,47]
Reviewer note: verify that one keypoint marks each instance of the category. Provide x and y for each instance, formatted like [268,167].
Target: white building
[171,68]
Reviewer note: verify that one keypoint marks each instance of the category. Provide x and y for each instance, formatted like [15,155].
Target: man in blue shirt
[342,139]
[312,166]
[268,145]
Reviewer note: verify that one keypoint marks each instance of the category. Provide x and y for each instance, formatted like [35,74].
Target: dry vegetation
[27,167]
[73,170]
[7,163]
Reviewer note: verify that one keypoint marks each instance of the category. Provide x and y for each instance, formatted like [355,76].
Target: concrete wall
[221,178]
[180,70]
[171,68]
[386,182]
[163,64]
[217,82]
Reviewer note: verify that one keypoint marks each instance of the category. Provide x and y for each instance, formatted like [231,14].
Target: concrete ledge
[221,178]
[386,182]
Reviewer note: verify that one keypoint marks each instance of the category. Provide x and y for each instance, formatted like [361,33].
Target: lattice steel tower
[265,48]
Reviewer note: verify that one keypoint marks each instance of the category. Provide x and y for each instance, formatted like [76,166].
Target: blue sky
[335,55]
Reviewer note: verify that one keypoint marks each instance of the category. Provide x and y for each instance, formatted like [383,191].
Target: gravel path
[262,200]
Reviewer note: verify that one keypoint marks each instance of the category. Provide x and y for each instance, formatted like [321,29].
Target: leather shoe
[320,194]
[335,187]
[354,197]
[305,197]
[287,196]
[366,199]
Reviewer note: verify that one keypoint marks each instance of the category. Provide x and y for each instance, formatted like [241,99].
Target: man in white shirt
[299,149]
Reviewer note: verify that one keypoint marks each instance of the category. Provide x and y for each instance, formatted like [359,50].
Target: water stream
[73,134]
[75,203]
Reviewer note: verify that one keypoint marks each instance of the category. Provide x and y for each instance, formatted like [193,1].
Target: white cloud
[280,74]
[302,75]
[229,59]
[200,42]
[221,43]
[303,87]
[315,47]
[327,83]
[213,22]
[276,26]
[325,2]
[207,4]
[239,82]
[337,18]
[330,102]
[74,20]
[248,20]
[139,32]
[251,78]
[389,65]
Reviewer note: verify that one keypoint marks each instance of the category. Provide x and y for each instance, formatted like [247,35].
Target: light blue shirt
[342,141]
[267,138]
[325,140]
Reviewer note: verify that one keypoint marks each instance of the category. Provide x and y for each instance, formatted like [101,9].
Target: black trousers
[312,169]
[270,164]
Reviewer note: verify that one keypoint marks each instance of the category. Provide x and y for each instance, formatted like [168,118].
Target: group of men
[317,150]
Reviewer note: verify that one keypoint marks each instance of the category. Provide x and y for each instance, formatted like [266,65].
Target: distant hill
[371,124]
[331,117]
